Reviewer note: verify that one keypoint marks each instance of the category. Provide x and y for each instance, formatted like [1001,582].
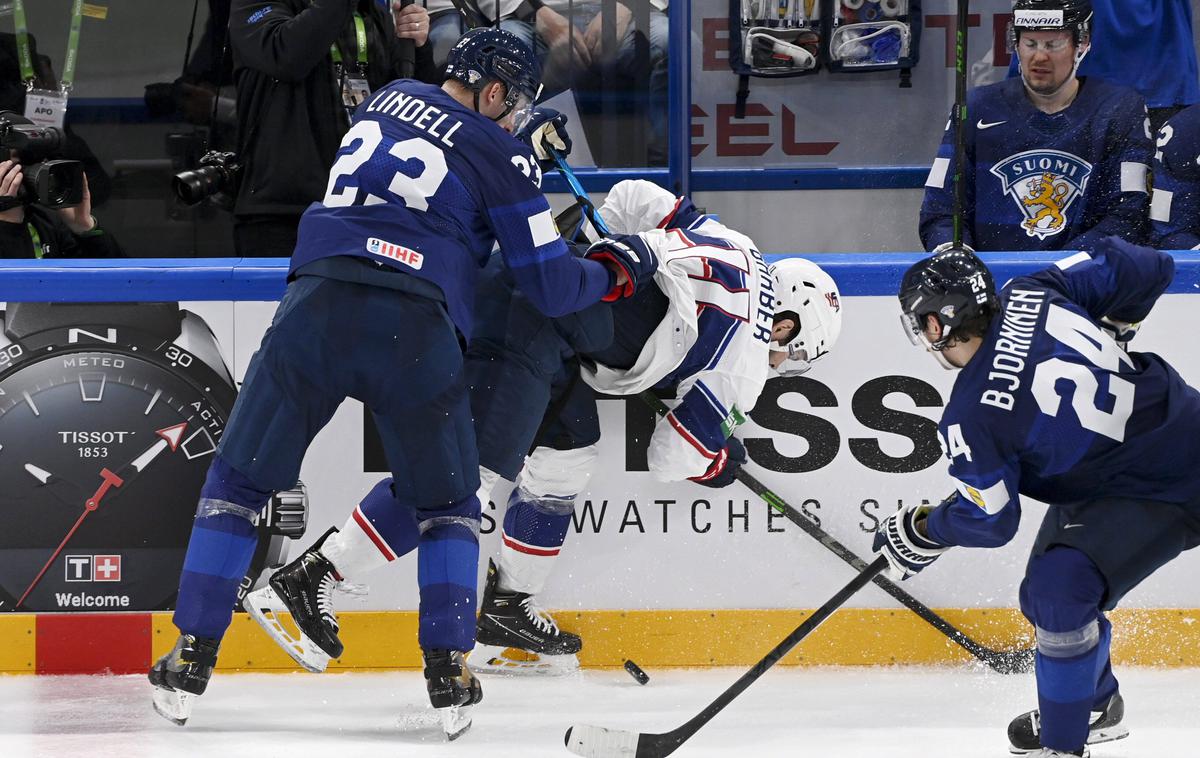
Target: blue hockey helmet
[487,54]
[954,286]
[1073,16]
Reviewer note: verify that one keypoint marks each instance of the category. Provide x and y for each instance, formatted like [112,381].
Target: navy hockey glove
[544,129]
[723,471]
[906,550]
[631,255]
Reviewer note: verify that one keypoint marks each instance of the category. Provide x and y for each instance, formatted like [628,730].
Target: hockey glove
[630,254]
[723,471]
[1121,331]
[545,129]
[906,550]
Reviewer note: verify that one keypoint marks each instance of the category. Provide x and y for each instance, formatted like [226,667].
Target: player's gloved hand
[946,247]
[907,550]
[545,129]
[629,254]
[723,471]
[1121,331]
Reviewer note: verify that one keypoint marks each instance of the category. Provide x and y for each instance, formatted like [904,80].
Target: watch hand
[53,484]
[169,437]
[110,480]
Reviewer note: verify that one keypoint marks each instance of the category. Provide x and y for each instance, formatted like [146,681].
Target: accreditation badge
[46,107]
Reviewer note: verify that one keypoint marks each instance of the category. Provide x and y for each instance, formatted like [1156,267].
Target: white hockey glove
[544,129]
[906,549]
[1121,331]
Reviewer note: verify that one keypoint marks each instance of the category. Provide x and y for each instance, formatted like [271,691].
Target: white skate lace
[325,599]
[540,618]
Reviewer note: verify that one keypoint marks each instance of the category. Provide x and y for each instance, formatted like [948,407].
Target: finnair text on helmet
[1012,346]
[417,112]
[1027,18]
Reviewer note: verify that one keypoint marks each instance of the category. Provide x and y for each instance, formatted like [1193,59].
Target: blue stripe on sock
[221,546]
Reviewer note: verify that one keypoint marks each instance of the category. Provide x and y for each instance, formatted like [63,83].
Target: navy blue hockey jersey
[1175,206]
[1037,181]
[427,186]
[1051,408]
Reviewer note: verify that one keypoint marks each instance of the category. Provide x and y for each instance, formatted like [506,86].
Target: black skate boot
[303,588]
[514,620]
[1025,731]
[453,689]
[182,675]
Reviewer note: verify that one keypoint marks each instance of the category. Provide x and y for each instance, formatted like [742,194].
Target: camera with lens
[47,181]
[217,177]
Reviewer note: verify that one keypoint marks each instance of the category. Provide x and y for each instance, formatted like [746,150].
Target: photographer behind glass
[45,206]
[301,66]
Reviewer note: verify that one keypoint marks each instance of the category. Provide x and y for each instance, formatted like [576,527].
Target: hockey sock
[535,527]
[380,530]
[219,551]
[1061,595]
[447,573]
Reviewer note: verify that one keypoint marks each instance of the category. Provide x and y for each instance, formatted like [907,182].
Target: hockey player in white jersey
[716,323]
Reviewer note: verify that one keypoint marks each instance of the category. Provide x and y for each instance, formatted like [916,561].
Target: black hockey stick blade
[599,742]
[1000,661]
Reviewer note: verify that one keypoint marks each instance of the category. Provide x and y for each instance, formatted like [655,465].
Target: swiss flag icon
[107,568]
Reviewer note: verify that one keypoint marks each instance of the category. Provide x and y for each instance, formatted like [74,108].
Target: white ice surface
[842,712]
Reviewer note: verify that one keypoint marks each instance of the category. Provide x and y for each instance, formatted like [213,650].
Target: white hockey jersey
[712,344]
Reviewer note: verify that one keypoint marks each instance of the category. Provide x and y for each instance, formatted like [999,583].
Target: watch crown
[287,512]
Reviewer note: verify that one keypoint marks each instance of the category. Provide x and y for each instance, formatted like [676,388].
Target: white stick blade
[598,742]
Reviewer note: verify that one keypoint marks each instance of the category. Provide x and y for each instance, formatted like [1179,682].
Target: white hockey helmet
[805,292]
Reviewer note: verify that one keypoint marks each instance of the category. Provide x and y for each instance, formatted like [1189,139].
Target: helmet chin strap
[507,110]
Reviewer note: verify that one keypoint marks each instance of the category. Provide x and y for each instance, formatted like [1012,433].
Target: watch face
[103,451]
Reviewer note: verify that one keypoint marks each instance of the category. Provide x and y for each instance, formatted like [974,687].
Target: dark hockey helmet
[486,54]
[1073,16]
[955,286]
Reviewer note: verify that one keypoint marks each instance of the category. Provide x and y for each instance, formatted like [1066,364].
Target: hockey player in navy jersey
[716,322]
[1055,161]
[1049,405]
[1175,205]
[381,293]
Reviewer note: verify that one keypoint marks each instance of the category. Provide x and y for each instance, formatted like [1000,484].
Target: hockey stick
[581,195]
[960,120]
[1001,661]
[598,742]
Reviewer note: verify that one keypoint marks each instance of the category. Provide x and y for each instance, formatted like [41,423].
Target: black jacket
[290,114]
[57,240]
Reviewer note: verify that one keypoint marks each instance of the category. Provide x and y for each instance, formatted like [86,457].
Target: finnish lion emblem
[1043,184]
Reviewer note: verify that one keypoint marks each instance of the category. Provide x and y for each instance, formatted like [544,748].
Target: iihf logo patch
[1043,184]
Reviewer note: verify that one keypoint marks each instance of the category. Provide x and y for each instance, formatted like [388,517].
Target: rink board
[662,572]
[127,643]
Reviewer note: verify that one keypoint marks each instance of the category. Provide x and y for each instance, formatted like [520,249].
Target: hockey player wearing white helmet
[714,324]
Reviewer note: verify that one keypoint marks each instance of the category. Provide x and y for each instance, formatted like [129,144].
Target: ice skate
[304,589]
[1048,753]
[182,675]
[453,690]
[1024,732]
[515,636]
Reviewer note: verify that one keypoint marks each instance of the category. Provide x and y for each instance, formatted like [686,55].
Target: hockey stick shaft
[960,120]
[1003,661]
[581,196]
[596,742]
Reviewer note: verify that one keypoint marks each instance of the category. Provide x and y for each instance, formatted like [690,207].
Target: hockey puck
[636,672]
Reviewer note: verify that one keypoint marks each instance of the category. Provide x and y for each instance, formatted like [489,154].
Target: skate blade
[1097,737]
[173,705]
[265,607]
[456,720]
[493,659]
